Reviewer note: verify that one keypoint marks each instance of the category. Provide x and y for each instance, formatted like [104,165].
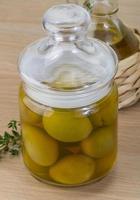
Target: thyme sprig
[10,141]
[88,4]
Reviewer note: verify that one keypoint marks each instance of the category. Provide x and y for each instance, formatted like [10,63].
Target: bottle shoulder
[115,33]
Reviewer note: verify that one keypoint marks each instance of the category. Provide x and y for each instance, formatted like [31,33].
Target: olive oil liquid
[121,38]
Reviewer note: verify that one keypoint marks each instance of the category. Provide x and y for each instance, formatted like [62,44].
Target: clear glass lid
[67,62]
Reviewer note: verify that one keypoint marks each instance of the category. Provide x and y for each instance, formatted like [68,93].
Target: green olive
[103,165]
[99,143]
[106,110]
[27,114]
[109,113]
[33,166]
[96,120]
[37,170]
[110,108]
[73,169]
[41,148]
[65,126]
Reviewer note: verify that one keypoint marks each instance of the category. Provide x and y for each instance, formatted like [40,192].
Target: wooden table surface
[20,24]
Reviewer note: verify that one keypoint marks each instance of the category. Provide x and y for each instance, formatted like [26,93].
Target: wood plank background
[20,24]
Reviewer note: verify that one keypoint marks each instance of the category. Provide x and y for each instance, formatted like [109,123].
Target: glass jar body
[69,147]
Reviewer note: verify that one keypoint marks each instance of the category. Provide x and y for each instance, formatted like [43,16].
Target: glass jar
[68,101]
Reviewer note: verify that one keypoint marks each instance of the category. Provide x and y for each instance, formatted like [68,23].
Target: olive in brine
[106,110]
[109,113]
[65,126]
[30,111]
[41,148]
[109,109]
[73,169]
[28,115]
[33,166]
[96,119]
[103,165]
[99,143]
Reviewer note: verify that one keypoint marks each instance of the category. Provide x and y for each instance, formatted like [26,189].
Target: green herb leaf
[10,141]
[88,4]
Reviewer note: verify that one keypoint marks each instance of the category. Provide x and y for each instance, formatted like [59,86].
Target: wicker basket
[128,78]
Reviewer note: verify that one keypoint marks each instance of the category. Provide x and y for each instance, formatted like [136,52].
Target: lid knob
[66,18]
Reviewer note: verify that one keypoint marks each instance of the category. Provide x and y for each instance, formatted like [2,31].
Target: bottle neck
[102,7]
[67,36]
